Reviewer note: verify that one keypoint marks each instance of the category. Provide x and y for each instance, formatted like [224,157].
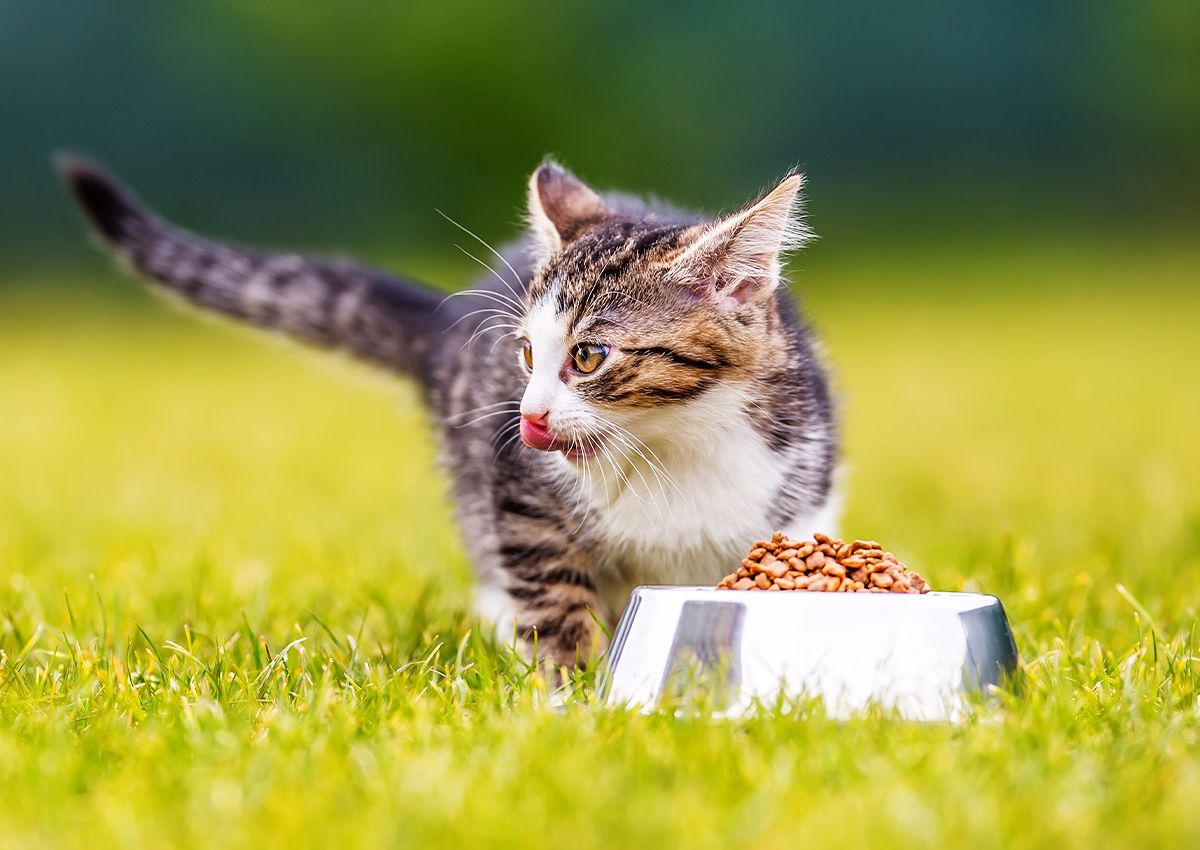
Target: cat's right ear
[561,206]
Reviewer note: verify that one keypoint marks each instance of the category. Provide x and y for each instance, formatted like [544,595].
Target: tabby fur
[708,423]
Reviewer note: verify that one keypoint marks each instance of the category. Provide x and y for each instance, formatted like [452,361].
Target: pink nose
[541,420]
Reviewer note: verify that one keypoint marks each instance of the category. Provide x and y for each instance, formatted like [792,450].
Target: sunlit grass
[234,611]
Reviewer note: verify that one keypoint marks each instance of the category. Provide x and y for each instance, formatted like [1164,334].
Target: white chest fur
[686,511]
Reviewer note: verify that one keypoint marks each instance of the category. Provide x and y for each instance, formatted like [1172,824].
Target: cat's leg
[550,580]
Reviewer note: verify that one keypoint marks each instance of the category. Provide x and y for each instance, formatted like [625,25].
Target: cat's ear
[560,207]
[735,261]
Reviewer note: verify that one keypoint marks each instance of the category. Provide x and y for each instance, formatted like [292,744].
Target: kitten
[629,399]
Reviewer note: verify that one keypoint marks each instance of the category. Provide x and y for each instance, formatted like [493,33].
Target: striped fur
[708,423]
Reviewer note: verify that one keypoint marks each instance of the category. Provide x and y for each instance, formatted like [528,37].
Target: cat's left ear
[561,206]
[735,261]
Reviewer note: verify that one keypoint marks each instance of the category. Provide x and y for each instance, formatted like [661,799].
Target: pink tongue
[537,437]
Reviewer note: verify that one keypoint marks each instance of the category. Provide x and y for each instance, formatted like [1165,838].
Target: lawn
[234,611]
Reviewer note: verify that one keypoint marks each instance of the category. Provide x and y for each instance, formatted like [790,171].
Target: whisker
[637,441]
[662,477]
[484,416]
[577,492]
[513,438]
[495,273]
[515,425]
[481,408]
[634,442]
[497,297]
[480,240]
[501,338]
[492,310]
[629,488]
[605,478]
[625,457]
[486,328]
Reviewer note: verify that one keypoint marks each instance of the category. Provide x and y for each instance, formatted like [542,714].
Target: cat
[630,397]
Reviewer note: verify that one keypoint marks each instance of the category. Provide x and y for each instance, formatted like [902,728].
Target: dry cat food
[823,563]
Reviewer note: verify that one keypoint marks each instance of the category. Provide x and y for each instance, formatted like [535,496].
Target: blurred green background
[344,126]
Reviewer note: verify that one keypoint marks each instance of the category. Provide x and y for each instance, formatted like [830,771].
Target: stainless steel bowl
[920,655]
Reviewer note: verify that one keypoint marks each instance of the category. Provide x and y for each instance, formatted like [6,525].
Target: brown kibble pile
[823,563]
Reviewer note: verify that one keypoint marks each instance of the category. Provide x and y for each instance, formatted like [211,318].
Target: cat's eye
[588,356]
[527,354]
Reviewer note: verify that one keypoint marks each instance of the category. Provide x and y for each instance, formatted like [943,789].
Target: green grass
[234,611]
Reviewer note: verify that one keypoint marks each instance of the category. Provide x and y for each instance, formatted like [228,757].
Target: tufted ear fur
[735,261]
[561,206]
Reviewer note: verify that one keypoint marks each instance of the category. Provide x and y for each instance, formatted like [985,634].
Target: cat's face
[630,321]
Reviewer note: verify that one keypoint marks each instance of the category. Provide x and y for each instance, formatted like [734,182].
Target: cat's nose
[540,419]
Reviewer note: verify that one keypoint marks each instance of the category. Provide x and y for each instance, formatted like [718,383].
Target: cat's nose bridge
[535,404]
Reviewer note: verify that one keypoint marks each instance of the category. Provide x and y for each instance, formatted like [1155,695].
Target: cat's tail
[330,303]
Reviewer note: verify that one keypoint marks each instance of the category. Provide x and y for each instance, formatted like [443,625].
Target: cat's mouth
[538,437]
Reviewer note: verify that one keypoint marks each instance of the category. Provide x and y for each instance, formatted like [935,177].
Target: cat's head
[631,317]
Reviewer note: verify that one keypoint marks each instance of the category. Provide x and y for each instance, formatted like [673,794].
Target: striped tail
[382,319]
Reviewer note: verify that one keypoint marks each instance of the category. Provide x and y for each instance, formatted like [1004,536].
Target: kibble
[823,564]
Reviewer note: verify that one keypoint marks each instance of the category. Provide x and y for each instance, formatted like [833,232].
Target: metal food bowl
[921,655]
